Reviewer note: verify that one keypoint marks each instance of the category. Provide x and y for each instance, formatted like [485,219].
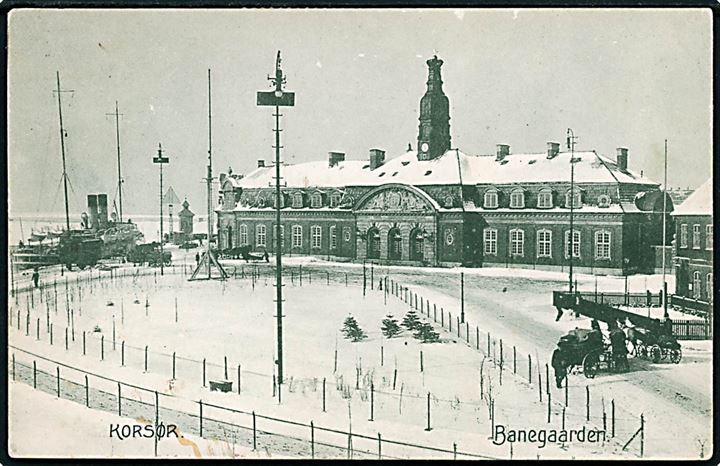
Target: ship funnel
[92,211]
[102,210]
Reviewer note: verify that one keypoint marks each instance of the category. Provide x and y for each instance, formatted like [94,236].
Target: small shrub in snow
[352,331]
[390,326]
[426,334]
[411,320]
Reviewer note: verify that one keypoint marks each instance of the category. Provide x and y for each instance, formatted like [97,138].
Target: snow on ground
[45,426]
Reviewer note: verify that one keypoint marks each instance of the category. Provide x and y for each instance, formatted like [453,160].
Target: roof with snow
[453,167]
[699,202]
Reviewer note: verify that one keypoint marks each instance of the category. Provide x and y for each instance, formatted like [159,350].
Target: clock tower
[434,131]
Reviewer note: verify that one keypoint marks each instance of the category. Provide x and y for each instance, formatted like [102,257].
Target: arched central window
[517,243]
[577,197]
[394,244]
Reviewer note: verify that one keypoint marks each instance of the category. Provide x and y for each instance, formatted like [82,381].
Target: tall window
[297,200]
[297,236]
[333,237]
[697,284]
[490,240]
[243,235]
[316,200]
[517,199]
[709,237]
[696,236]
[517,242]
[491,199]
[544,243]
[709,286]
[545,199]
[260,236]
[602,244]
[683,235]
[315,236]
[577,199]
[575,244]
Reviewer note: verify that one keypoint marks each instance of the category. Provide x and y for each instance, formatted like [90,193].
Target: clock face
[424,147]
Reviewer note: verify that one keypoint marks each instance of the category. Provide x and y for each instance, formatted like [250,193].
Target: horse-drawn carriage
[654,344]
[589,350]
[244,253]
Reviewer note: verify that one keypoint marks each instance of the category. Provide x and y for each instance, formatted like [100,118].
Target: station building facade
[439,206]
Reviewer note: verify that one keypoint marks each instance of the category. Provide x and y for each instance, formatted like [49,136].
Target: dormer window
[282,201]
[517,199]
[491,199]
[316,200]
[335,199]
[569,199]
[297,200]
[545,200]
[604,200]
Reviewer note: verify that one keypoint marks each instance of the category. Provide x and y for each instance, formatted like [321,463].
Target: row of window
[297,200]
[544,199]
[697,286]
[297,236]
[544,243]
[696,236]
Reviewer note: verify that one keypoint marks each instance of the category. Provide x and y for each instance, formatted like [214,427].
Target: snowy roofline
[700,202]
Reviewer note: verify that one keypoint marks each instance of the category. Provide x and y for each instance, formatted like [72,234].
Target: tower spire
[434,129]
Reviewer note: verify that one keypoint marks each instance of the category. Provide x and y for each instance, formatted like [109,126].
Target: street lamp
[161,159]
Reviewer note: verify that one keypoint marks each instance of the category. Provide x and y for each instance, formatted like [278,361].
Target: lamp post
[161,159]
[571,240]
[277,98]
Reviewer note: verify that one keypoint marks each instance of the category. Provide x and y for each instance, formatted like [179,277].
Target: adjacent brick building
[694,245]
[440,206]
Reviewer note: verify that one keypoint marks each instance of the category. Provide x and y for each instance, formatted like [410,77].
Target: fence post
[434,313]
[488,345]
[467,331]
[239,379]
[38,328]
[549,398]
[449,322]
[58,381]
[567,382]
[529,368]
[587,402]
[83,342]
[119,400]
[312,440]
[477,338]
[173,365]
[501,354]
[442,317]
[563,418]
[87,392]
[455,450]
[379,446]
[394,377]
[102,347]
[612,418]
[323,394]
[421,361]
[201,419]
[13,366]
[225,364]
[122,353]
[51,334]
[255,430]
[547,378]
[382,356]
[146,358]
[457,322]
[372,402]
[66,338]
[642,435]
[428,429]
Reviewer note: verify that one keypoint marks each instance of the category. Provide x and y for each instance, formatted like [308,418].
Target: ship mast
[62,150]
[117,116]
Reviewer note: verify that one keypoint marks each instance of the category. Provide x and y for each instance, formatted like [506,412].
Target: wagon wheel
[591,363]
[675,356]
[642,351]
[664,353]
[655,353]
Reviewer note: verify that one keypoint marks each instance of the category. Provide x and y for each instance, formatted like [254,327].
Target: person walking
[197,258]
[36,277]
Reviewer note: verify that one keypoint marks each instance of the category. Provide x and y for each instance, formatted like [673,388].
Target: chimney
[622,158]
[503,150]
[335,157]
[553,149]
[92,211]
[261,163]
[102,210]
[377,158]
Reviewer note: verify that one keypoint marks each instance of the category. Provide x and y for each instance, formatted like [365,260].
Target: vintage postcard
[473,234]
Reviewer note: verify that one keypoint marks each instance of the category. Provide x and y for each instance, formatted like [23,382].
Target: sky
[620,77]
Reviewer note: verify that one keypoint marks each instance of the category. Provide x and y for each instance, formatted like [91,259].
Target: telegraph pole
[160,159]
[62,151]
[209,178]
[665,296]
[571,145]
[277,98]
[117,116]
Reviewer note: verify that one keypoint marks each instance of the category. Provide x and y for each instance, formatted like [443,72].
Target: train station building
[440,206]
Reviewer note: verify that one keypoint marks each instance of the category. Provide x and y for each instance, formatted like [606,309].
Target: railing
[692,329]
[702,307]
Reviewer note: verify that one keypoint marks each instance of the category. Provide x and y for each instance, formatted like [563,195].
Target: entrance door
[229,237]
[417,245]
[373,243]
[394,244]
